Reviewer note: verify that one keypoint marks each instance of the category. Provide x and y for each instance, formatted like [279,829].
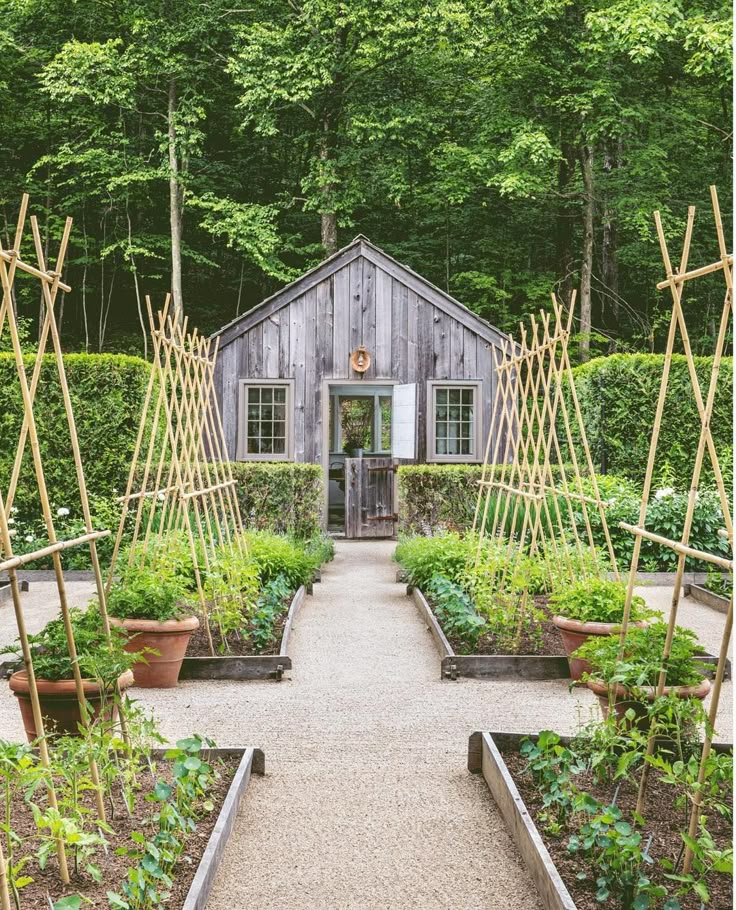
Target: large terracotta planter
[169,639]
[575,633]
[645,696]
[59,705]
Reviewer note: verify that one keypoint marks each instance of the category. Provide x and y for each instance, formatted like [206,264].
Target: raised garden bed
[195,871]
[555,883]
[487,666]
[504,666]
[709,598]
[247,666]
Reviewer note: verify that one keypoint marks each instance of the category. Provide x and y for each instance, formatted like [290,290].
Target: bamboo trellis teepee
[538,488]
[675,281]
[180,479]
[50,281]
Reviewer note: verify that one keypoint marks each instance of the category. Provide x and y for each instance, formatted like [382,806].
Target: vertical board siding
[297,347]
[255,352]
[341,323]
[356,305]
[229,402]
[312,398]
[368,308]
[271,346]
[383,325]
[311,338]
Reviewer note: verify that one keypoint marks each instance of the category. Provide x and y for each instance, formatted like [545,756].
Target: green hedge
[284,497]
[107,393]
[618,397]
[438,496]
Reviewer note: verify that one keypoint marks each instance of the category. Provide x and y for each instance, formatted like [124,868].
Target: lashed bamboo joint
[185,484]
[676,284]
[11,262]
[532,471]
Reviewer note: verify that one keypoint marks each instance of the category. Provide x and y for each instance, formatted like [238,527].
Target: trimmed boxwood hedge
[107,392]
[437,496]
[285,497]
[618,397]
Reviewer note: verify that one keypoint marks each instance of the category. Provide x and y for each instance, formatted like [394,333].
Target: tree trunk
[565,220]
[328,214]
[175,209]
[609,260]
[586,272]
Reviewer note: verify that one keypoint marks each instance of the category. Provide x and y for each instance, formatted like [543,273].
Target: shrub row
[436,498]
[283,497]
[107,396]
[618,398]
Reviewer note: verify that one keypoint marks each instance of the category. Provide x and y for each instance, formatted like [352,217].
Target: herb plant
[597,600]
[642,661]
[98,659]
[149,592]
[455,611]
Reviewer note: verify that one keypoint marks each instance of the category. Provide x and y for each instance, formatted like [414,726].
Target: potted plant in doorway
[151,605]
[592,608]
[102,663]
[356,429]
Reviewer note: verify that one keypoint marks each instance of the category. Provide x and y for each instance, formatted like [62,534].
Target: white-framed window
[266,420]
[454,421]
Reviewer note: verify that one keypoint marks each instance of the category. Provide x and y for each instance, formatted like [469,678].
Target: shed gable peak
[360,248]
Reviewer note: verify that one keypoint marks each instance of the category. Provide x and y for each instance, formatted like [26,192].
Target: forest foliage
[502,149]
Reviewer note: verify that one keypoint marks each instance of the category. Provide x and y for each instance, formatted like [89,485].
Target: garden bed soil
[664,823]
[537,660]
[243,662]
[237,645]
[545,660]
[46,883]
[549,644]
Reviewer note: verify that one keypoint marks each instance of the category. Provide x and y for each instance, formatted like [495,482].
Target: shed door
[369,497]
[404,421]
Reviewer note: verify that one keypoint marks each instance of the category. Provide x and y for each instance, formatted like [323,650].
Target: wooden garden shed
[359,365]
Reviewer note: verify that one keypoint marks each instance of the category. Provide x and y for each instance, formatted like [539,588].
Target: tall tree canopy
[502,149]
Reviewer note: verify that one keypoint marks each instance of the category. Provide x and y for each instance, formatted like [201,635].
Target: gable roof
[360,247]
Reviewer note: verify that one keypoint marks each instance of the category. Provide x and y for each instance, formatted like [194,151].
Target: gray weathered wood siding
[310,340]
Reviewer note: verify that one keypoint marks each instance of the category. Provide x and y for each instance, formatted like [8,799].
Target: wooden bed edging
[505,666]
[484,757]
[252,762]
[252,666]
[708,598]
[487,666]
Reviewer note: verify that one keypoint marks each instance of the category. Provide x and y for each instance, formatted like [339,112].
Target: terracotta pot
[169,638]
[646,695]
[59,705]
[575,633]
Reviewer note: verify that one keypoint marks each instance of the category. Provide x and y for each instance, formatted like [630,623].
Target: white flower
[611,501]
[62,511]
[29,538]
[665,491]
[12,532]
[161,496]
[14,509]
[11,521]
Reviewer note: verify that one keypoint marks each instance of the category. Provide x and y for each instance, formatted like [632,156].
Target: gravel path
[366,802]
